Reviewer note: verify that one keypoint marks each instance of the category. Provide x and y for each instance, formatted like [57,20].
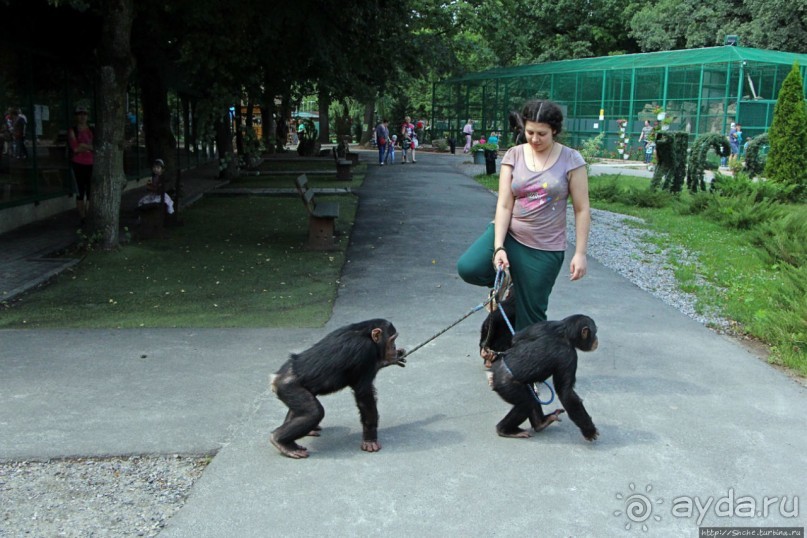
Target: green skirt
[533,272]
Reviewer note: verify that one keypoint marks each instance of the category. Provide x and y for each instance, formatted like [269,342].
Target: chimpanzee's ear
[585,332]
[375,334]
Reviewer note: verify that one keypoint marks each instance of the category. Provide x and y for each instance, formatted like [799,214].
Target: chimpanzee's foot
[291,450]
[517,434]
[314,432]
[549,419]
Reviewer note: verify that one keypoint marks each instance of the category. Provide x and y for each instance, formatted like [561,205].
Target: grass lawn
[237,262]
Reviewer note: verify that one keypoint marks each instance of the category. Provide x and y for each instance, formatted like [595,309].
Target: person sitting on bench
[156,188]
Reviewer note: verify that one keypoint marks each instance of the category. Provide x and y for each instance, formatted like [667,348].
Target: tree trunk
[228,166]
[324,100]
[115,67]
[160,141]
[369,121]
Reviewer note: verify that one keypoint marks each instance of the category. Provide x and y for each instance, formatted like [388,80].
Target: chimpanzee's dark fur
[348,357]
[542,350]
[495,335]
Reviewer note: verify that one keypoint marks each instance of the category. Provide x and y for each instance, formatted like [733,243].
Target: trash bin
[490,161]
[452,143]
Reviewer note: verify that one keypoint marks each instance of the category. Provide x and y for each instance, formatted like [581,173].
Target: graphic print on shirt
[534,197]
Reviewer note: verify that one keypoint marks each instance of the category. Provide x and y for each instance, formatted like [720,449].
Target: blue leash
[497,284]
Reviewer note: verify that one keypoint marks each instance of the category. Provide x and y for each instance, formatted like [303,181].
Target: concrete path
[687,417]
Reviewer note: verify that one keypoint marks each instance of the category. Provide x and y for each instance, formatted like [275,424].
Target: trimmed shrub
[697,158]
[754,164]
[787,159]
[671,151]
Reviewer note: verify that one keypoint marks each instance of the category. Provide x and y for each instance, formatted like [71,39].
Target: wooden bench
[344,167]
[321,216]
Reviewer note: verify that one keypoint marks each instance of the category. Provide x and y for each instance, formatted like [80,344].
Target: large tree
[114,69]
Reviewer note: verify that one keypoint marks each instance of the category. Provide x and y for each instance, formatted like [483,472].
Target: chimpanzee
[495,336]
[541,350]
[348,357]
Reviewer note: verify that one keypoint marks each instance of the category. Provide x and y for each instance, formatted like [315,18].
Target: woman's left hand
[577,269]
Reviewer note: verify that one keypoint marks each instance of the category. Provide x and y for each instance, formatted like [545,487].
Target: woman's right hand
[500,260]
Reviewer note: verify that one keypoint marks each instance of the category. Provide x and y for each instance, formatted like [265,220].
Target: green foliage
[742,211]
[661,26]
[756,277]
[787,159]
[308,138]
[786,318]
[671,151]
[648,197]
[697,158]
[606,190]
[782,239]
[440,144]
[485,146]
[694,204]
[740,184]
[592,147]
[754,161]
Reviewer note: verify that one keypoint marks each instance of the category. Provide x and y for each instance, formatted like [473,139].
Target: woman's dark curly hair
[540,111]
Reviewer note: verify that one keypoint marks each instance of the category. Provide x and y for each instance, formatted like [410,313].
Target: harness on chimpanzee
[501,287]
[496,296]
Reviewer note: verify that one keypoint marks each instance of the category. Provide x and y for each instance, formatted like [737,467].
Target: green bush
[782,240]
[694,204]
[787,159]
[648,198]
[606,191]
[740,184]
[440,144]
[591,149]
[742,211]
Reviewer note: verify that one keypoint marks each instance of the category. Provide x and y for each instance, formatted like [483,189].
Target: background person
[80,142]
[528,234]
[468,132]
[382,140]
[410,139]
[156,188]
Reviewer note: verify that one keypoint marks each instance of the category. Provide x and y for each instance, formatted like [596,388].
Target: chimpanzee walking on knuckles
[348,357]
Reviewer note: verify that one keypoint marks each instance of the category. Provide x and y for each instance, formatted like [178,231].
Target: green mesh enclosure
[699,91]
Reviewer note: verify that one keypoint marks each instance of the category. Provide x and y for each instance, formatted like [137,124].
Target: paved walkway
[687,417]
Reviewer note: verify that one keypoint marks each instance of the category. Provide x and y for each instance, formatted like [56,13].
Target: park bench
[321,216]
[344,171]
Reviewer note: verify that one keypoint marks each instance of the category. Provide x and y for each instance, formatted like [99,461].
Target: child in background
[390,156]
[156,188]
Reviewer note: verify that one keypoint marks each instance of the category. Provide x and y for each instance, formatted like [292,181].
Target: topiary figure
[697,158]
[671,152]
[754,165]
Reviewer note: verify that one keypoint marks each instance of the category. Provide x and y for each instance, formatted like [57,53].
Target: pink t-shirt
[82,137]
[539,213]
